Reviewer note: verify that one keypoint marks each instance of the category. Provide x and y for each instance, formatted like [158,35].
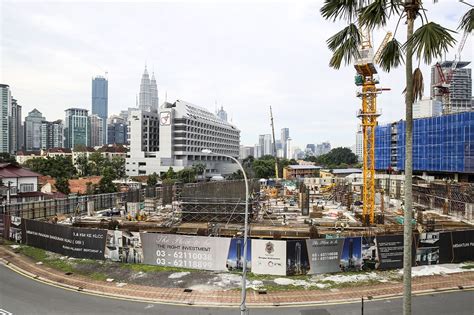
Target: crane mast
[366,78]
[274,145]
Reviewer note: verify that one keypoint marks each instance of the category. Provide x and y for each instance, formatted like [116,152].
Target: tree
[118,163]
[199,169]
[82,164]
[429,41]
[62,185]
[264,168]
[105,184]
[338,157]
[186,175]
[152,180]
[170,174]
[8,158]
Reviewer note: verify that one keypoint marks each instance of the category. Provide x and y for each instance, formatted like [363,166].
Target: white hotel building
[175,137]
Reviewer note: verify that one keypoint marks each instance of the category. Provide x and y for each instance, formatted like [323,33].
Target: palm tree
[427,42]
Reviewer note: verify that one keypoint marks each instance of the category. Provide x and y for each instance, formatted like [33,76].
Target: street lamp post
[243,307]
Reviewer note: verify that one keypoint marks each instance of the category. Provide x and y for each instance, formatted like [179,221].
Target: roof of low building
[8,170]
[304,167]
[346,170]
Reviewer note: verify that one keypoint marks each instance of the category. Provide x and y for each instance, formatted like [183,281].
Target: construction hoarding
[65,240]
[195,252]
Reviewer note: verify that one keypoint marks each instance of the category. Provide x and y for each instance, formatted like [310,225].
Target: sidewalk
[27,266]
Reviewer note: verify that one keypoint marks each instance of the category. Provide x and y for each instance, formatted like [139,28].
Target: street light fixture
[243,307]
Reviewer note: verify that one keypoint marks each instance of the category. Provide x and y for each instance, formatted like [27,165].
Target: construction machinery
[367,79]
[443,85]
[274,145]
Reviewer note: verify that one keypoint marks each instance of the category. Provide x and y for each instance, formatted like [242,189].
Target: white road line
[3,312]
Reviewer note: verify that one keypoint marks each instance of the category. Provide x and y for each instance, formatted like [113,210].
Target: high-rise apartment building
[427,107]
[117,130]
[33,130]
[77,127]
[97,131]
[265,145]
[322,148]
[285,135]
[148,96]
[52,134]
[460,89]
[5,105]
[16,132]
[359,146]
[100,102]
[176,136]
[222,114]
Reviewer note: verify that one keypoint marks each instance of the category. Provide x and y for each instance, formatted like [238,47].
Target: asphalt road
[22,295]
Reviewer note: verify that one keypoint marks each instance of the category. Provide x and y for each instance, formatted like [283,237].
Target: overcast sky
[244,55]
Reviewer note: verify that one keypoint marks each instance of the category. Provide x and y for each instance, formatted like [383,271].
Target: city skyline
[245,74]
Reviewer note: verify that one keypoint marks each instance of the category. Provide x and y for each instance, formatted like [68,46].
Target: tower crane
[366,78]
[445,77]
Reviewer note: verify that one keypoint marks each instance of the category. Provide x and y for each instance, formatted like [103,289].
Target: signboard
[65,240]
[370,257]
[463,245]
[324,255]
[195,252]
[428,249]
[297,258]
[124,246]
[235,258]
[351,257]
[269,257]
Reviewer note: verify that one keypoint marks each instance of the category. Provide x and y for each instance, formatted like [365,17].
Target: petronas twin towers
[148,97]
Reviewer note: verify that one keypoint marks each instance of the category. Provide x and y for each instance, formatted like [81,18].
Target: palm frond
[395,7]
[418,85]
[430,41]
[374,15]
[344,45]
[341,9]
[391,55]
[467,21]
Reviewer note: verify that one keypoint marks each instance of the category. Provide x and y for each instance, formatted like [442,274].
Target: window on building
[27,187]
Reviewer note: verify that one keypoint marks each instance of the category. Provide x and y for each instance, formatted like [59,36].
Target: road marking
[3,312]
[130,299]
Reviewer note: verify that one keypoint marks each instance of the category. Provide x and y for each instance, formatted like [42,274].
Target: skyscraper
[5,104]
[100,101]
[285,134]
[148,97]
[265,145]
[16,134]
[116,130]
[222,114]
[97,131]
[33,130]
[77,127]
[52,134]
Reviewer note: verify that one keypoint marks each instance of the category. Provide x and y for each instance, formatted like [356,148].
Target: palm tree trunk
[407,225]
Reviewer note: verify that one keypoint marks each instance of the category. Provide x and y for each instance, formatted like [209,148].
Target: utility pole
[274,145]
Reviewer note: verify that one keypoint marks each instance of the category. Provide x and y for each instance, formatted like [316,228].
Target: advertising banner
[297,258]
[428,249]
[195,252]
[462,245]
[370,257]
[124,246]
[269,257]
[324,255]
[65,240]
[235,257]
[351,257]
[15,229]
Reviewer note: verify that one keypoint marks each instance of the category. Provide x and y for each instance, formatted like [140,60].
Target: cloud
[246,55]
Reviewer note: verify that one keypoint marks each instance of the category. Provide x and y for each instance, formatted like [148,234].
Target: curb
[191,302]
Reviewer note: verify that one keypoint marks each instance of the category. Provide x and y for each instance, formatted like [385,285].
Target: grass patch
[98,276]
[468,267]
[34,253]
